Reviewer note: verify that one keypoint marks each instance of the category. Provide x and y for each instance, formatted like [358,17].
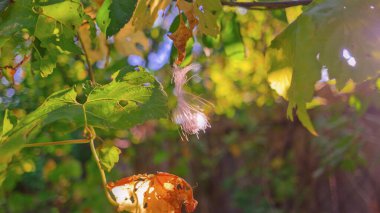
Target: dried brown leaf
[149,193]
[180,38]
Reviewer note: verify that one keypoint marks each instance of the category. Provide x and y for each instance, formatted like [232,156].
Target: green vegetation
[93,91]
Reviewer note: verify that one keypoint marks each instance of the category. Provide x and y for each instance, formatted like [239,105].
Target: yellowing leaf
[355,103]
[109,155]
[317,101]
[279,80]
[146,13]
[303,116]
[203,13]
[349,87]
[128,42]
[292,13]
[95,52]
[207,12]
[318,39]
[9,122]
[67,12]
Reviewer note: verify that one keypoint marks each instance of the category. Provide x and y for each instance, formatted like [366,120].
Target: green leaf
[103,16]
[175,23]
[55,35]
[44,59]
[114,14]
[11,20]
[6,56]
[121,13]
[53,23]
[69,13]
[45,65]
[132,99]
[231,37]
[109,155]
[339,35]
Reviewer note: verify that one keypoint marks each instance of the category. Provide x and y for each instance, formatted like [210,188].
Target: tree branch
[267,5]
[76,141]
[15,67]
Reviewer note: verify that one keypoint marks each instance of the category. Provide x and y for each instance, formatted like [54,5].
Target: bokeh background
[252,159]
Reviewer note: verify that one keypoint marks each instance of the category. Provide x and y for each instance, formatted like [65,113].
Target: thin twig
[53,143]
[15,67]
[334,193]
[102,173]
[89,70]
[108,54]
[267,5]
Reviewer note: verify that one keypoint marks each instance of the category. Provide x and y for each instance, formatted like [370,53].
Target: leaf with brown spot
[149,193]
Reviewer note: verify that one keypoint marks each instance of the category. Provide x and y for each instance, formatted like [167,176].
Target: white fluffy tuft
[189,116]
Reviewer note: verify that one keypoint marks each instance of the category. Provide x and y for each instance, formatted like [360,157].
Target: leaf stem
[266,5]
[53,143]
[90,71]
[102,173]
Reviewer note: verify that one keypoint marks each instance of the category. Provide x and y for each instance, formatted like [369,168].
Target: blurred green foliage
[252,159]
